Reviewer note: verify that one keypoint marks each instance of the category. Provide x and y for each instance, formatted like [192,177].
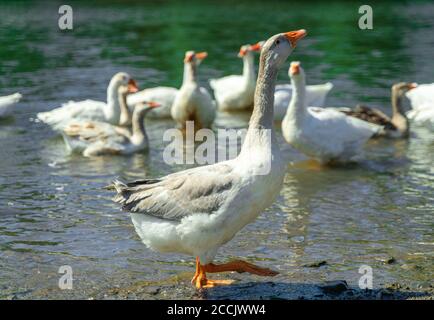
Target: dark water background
[54,212]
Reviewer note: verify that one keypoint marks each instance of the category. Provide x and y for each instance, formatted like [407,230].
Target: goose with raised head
[94,138]
[316,95]
[7,103]
[162,95]
[323,134]
[422,103]
[236,92]
[109,111]
[193,102]
[392,127]
[196,211]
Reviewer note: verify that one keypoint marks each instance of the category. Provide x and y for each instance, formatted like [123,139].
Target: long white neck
[297,106]
[261,132]
[189,72]
[139,136]
[113,111]
[249,67]
[125,115]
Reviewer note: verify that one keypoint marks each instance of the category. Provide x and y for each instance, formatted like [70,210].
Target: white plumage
[193,102]
[7,103]
[323,134]
[109,112]
[235,92]
[315,97]
[162,95]
[422,102]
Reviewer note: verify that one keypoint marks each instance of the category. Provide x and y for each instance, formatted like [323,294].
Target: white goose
[94,138]
[198,210]
[192,101]
[315,96]
[422,103]
[161,95]
[7,102]
[324,134]
[236,92]
[109,112]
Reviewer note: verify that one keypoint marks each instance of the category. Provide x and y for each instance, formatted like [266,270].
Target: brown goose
[393,127]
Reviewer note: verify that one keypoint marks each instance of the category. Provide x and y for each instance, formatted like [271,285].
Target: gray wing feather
[193,191]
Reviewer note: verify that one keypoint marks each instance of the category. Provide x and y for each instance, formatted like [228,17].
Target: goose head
[400,88]
[248,49]
[139,136]
[123,79]
[296,72]
[277,49]
[194,58]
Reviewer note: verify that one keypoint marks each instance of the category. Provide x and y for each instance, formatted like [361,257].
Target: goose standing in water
[193,102]
[324,134]
[109,112]
[315,96]
[7,102]
[422,103]
[198,210]
[395,127]
[94,138]
[236,92]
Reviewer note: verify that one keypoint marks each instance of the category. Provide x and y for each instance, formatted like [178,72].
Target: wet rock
[315,264]
[335,287]
[394,286]
[387,259]
[151,290]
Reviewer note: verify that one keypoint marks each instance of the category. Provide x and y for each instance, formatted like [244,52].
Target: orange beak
[294,36]
[201,55]
[295,68]
[153,104]
[255,47]
[132,86]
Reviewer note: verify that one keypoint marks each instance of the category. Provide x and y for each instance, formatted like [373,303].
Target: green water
[54,211]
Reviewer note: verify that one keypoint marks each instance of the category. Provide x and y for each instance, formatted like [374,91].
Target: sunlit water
[54,210]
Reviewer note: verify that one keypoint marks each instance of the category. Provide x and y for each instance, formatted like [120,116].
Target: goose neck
[398,118]
[396,102]
[112,112]
[125,116]
[297,105]
[189,72]
[139,135]
[261,132]
[249,67]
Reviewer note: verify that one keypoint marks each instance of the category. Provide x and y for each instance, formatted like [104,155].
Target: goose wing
[370,115]
[175,196]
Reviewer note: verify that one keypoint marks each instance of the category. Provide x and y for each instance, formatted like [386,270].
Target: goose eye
[277,41]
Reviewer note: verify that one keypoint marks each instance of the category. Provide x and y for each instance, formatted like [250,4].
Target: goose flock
[198,210]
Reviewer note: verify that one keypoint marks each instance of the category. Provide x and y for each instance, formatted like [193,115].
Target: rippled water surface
[54,210]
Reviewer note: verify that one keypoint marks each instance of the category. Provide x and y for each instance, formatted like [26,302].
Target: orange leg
[240,267]
[200,280]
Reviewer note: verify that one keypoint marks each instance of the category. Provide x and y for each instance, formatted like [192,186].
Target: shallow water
[54,210]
